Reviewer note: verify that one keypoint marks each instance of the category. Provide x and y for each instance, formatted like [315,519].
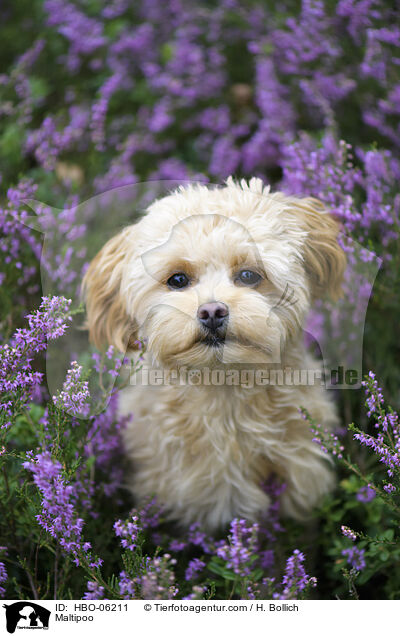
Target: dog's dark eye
[178,281]
[248,277]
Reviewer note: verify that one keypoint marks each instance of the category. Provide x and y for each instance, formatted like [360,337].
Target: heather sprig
[194,567]
[198,593]
[3,573]
[18,379]
[150,513]
[198,537]
[296,582]
[386,443]
[75,394]
[94,592]
[128,531]
[355,557]
[378,496]
[109,372]
[366,494]
[328,442]
[158,580]
[349,533]
[58,515]
[239,551]
[239,558]
[143,576]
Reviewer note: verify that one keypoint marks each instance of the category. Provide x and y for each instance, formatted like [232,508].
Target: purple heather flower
[347,532]
[158,580]
[194,567]
[115,8]
[374,394]
[295,579]
[94,592]
[176,545]
[3,574]
[17,377]
[240,549]
[99,109]
[197,537]
[3,578]
[150,513]
[196,594]
[155,581]
[327,441]
[58,497]
[51,139]
[104,444]
[355,557]
[366,494]
[386,444]
[127,586]
[84,35]
[267,559]
[128,531]
[75,392]
[389,488]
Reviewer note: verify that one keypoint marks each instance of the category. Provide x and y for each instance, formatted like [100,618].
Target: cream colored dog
[220,278]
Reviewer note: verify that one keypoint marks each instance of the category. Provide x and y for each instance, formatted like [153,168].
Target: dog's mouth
[208,348]
[214,341]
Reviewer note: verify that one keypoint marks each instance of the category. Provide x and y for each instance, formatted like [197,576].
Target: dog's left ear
[324,259]
[107,319]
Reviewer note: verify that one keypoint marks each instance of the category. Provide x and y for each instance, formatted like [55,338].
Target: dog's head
[214,275]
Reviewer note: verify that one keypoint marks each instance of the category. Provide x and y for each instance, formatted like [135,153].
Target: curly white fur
[204,450]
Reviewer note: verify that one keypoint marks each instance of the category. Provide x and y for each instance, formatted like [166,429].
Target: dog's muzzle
[213,318]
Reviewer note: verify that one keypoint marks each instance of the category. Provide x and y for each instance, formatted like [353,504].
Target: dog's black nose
[213,315]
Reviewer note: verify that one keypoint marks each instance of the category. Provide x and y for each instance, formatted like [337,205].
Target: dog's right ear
[107,319]
[324,259]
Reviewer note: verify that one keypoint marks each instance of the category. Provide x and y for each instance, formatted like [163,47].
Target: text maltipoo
[220,278]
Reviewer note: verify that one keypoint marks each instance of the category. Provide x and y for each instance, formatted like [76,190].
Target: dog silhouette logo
[26,615]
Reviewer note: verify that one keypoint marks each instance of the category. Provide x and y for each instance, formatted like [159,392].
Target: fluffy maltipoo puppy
[218,282]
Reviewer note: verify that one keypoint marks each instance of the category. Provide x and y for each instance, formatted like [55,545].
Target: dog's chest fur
[205,451]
